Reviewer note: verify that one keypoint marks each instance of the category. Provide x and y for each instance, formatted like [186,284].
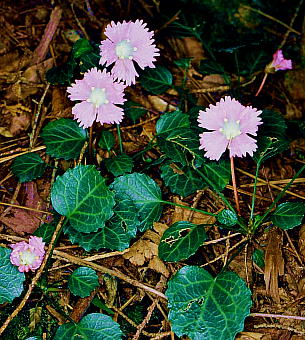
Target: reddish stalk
[262,84]
[234,184]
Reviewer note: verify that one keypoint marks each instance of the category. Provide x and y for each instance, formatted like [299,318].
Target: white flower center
[124,49]
[230,129]
[27,257]
[98,97]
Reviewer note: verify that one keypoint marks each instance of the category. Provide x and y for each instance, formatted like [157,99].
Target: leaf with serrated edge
[218,174]
[106,140]
[181,240]
[269,147]
[28,167]
[82,196]
[145,195]
[181,180]
[288,215]
[94,326]
[64,138]
[172,121]
[9,274]
[203,307]
[83,281]
[119,165]
[156,80]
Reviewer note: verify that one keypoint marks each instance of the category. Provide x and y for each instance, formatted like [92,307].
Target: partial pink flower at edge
[279,62]
[99,94]
[126,43]
[28,256]
[230,123]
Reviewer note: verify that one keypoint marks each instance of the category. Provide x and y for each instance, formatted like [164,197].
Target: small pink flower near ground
[28,256]
[98,93]
[230,122]
[279,62]
[126,43]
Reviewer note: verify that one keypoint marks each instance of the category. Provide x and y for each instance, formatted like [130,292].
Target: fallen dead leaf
[253,336]
[160,104]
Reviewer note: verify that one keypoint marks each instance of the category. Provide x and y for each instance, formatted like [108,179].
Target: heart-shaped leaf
[106,140]
[144,193]
[64,138]
[170,122]
[181,180]
[181,240]
[11,280]
[82,196]
[83,281]
[156,80]
[94,326]
[269,147]
[217,174]
[204,307]
[227,218]
[288,215]
[28,167]
[119,165]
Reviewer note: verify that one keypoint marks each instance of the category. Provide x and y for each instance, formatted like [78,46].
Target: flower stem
[234,185]
[254,190]
[262,84]
[120,138]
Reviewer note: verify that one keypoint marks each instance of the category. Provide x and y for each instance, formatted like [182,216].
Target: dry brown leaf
[302,242]
[19,123]
[193,48]
[36,73]
[274,263]
[253,336]
[160,104]
[158,265]
[195,217]
[60,104]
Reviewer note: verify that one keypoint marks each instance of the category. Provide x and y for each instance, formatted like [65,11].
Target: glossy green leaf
[82,196]
[218,174]
[64,138]
[28,167]
[208,66]
[81,47]
[184,63]
[269,147]
[62,75]
[259,258]
[86,54]
[181,180]
[144,193]
[172,121]
[134,110]
[181,240]
[119,165]
[288,215]
[46,231]
[94,326]
[11,280]
[206,307]
[274,124]
[156,80]
[227,218]
[83,281]
[106,140]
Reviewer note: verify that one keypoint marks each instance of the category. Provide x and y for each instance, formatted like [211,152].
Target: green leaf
[81,47]
[64,138]
[107,140]
[179,30]
[181,240]
[83,281]
[259,258]
[208,66]
[274,124]
[184,63]
[218,174]
[89,61]
[82,196]
[183,181]
[28,167]
[156,80]
[62,75]
[227,218]
[172,121]
[46,231]
[115,235]
[9,274]
[204,307]
[144,193]
[92,326]
[134,110]
[288,215]
[269,147]
[119,165]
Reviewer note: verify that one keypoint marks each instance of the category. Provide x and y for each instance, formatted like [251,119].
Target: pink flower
[279,62]
[231,123]
[128,42]
[98,93]
[28,256]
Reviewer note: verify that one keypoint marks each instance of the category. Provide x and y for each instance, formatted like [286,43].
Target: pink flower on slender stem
[230,122]
[28,256]
[126,43]
[278,63]
[98,93]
